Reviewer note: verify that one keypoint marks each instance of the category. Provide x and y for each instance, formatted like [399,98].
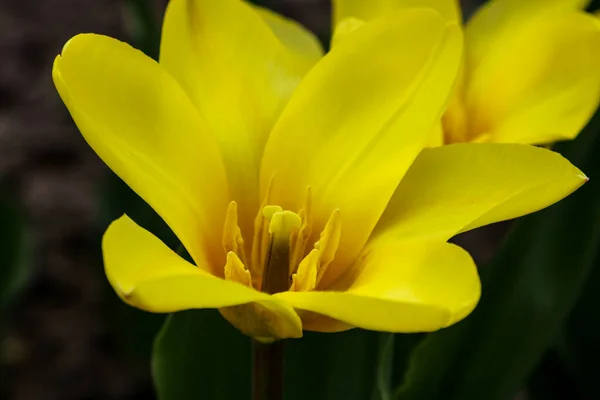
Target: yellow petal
[365,110]
[294,36]
[534,76]
[142,125]
[402,287]
[436,137]
[344,28]
[239,75]
[368,10]
[458,187]
[148,275]
[497,17]
[501,20]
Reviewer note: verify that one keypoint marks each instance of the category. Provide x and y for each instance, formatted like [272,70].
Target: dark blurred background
[63,337]
[60,339]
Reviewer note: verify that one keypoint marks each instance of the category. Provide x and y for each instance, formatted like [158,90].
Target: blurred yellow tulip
[531,70]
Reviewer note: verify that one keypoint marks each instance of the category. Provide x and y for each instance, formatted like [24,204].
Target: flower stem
[267,374]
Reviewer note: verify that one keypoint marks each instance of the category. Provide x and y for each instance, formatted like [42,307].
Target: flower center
[279,259]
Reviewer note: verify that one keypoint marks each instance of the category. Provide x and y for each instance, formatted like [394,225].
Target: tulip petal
[239,75]
[294,36]
[402,287]
[455,188]
[497,20]
[148,275]
[534,71]
[358,120]
[368,10]
[142,125]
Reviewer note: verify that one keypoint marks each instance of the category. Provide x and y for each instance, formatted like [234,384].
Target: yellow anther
[323,252]
[313,266]
[329,241]
[235,270]
[306,277]
[232,235]
[300,238]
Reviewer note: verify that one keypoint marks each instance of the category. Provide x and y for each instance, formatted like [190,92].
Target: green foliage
[198,355]
[580,346]
[346,365]
[574,359]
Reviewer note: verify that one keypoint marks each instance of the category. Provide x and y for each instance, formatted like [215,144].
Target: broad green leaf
[345,365]
[404,344]
[15,249]
[528,290]
[199,355]
[579,345]
[383,383]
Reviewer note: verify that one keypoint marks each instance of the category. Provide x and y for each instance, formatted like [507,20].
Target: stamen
[260,241]
[306,277]
[279,248]
[232,235]
[300,238]
[235,270]
[265,238]
[276,271]
[314,265]
[328,242]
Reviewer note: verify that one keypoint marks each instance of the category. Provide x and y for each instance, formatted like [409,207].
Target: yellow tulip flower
[531,71]
[297,182]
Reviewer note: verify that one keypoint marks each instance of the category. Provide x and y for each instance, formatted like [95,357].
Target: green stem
[267,374]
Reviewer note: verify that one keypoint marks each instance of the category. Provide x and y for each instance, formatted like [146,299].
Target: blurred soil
[57,344]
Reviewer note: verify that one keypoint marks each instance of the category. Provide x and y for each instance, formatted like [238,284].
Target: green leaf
[15,249]
[383,387]
[344,365]
[528,290]
[579,346]
[199,355]
[404,344]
